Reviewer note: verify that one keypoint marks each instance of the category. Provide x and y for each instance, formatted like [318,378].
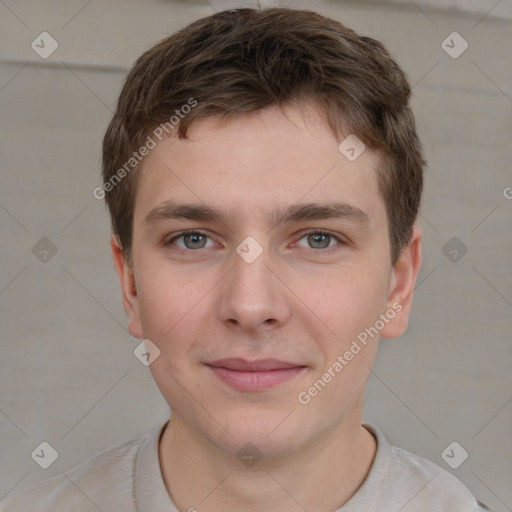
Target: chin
[272,436]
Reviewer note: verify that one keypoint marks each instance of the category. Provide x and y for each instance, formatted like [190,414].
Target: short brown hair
[242,60]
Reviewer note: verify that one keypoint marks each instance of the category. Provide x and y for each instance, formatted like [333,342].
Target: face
[260,256]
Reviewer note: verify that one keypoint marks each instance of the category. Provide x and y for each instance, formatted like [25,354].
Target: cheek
[344,299]
[172,312]
[170,302]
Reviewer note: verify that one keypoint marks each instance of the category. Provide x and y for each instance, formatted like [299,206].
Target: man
[263,176]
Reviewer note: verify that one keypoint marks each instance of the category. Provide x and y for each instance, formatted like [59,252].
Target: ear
[129,289]
[401,286]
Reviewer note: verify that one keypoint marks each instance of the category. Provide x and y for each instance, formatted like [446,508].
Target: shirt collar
[151,492]
[365,497]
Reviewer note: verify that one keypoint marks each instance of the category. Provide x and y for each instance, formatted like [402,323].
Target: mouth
[254,375]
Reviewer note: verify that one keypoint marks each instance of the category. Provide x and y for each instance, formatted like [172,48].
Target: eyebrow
[171,210]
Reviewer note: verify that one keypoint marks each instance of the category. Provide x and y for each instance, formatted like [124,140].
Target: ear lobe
[128,287]
[401,286]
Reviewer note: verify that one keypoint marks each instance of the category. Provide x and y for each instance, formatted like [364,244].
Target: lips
[254,375]
[263,365]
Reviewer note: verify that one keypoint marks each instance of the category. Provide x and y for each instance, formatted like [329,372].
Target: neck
[321,476]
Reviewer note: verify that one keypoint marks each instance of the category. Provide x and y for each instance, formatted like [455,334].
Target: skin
[304,300]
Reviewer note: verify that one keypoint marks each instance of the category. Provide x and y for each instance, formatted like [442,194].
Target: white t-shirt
[127,478]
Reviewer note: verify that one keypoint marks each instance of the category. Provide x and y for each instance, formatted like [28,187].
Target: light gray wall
[68,375]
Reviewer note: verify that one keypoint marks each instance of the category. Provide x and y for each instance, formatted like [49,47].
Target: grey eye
[319,240]
[194,241]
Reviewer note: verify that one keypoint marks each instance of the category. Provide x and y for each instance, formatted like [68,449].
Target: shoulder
[418,484]
[104,481]
[431,483]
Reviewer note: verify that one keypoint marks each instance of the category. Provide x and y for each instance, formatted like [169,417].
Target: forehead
[255,162]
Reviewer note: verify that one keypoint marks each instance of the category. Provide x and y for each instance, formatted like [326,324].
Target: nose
[252,298]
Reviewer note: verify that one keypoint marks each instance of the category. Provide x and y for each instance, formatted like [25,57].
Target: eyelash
[340,241]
